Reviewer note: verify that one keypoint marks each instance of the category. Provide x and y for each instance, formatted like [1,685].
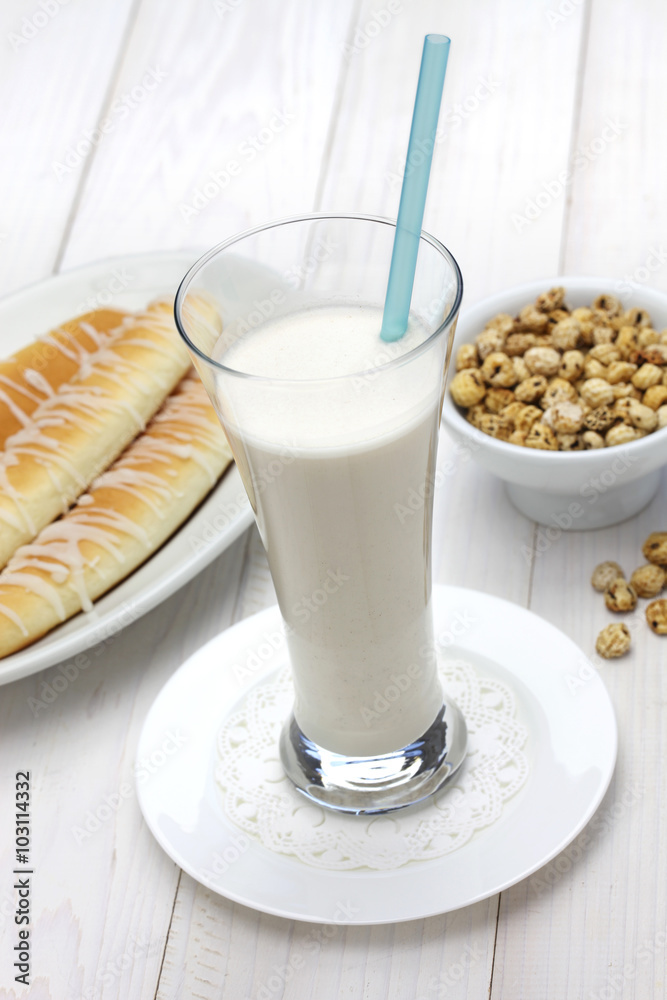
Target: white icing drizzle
[86,406]
[184,430]
[11,614]
[37,381]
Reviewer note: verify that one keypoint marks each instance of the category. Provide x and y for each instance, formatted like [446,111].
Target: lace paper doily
[260,800]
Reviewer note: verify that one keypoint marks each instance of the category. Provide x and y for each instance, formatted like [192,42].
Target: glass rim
[201,262]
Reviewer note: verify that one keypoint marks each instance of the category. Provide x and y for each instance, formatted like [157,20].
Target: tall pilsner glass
[335,434]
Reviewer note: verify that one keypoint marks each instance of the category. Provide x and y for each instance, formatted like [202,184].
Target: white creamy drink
[329,465]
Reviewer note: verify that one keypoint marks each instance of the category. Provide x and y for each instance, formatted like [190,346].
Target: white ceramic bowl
[567,490]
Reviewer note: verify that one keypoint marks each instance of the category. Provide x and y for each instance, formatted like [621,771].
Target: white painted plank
[53,87]
[244,84]
[103,888]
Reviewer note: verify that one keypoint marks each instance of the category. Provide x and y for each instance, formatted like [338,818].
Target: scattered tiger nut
[532,318]
[571,365]
[597,392]
[591,439]
[648,580]
[467,387]
[542,360]
[531,388]
[565,335]
[622,434]
[656,616]
[614,640]
[496,399]
[497,369]
[553,299]
[605,573]
[467,357]
[620,371]
[600,419]
[565,417]
[655,396]
[542,437]
[647,376]
[488,341]
[608,304]
[642,417]
[620,596]
[655,548]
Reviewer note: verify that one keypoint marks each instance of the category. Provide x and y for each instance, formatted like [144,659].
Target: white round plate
[129,282]
[571,747]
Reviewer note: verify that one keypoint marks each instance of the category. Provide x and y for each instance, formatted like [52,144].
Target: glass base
[363,785]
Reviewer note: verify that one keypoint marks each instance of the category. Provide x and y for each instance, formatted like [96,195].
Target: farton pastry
[129,511]
[34,373]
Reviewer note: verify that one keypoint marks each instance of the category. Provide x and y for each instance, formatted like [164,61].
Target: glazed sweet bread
[34,373]
[82,428]
[129,511]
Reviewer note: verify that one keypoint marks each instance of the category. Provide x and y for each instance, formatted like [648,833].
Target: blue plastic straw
[415,186]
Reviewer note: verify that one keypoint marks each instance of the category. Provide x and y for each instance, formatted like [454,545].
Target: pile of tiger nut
[621,595]
[562,380]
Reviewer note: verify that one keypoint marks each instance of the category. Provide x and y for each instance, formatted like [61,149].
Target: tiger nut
[542,437]
[496,399]
[605,573]
[467,387]
[565,335]
[655,548]
[553,299]
[648,580]
[620,596]
[497,369]
[531,388]
[467,357]
[488,341]
[614,640]
[591,439]
[597,392]
[571,365]
[542,360]
[656,616]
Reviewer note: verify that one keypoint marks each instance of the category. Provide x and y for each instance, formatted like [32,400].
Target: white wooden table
[313,100]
